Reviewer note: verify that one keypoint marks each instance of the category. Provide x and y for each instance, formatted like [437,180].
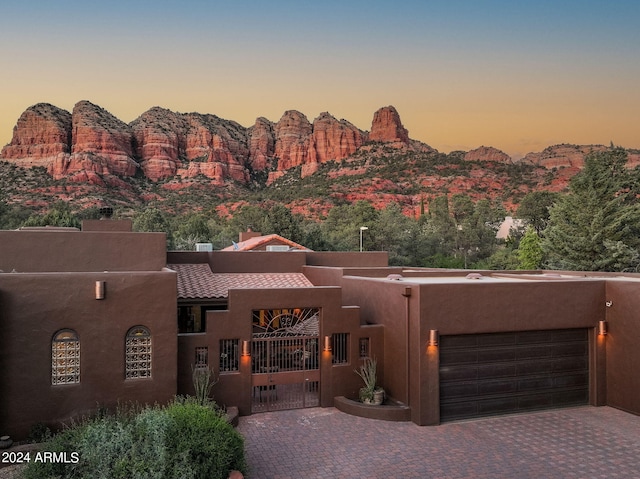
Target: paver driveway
[583,442]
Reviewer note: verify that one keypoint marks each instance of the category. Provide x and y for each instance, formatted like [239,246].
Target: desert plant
[203,381]
[368,373]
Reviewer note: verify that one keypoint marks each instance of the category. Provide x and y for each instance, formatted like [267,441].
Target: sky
[518,76]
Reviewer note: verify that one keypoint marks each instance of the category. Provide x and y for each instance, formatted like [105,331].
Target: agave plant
[368,373]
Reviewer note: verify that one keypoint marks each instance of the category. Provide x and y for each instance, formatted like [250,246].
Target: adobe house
[106,315]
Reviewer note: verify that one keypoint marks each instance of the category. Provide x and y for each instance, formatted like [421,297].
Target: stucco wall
[622,340]
[33,307]
[235,323]
[49,251]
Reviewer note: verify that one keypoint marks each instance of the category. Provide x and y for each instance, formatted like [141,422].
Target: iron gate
[284,360]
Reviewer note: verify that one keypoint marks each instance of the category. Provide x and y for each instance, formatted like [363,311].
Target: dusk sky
[519,76]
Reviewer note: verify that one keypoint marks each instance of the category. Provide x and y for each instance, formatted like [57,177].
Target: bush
[184,440]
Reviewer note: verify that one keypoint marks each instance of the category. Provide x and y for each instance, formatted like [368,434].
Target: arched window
[65,357]
[138,353]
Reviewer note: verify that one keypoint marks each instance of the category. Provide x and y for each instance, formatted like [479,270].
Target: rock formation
[293,137]
[43,132]
[91,142]
[387,127]
[562,156]
[100,138]
[261,144]
[487,153]
[159,138]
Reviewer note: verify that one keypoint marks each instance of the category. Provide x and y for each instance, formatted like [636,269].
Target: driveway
[582,442]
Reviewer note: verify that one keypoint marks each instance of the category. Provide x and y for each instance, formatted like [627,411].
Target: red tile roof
[197,281]
[258,241]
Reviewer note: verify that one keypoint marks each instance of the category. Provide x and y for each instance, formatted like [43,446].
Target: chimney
[246,235]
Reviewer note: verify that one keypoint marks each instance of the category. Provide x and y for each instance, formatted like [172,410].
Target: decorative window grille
[202,357]
[65,358]
[138,353]
[340,342]
[229,355]
[364,348]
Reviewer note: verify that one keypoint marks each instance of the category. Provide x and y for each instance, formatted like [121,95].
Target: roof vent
[204,247]
[474,276]
[277,247]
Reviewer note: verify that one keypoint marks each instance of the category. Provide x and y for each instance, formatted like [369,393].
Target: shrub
[183,440]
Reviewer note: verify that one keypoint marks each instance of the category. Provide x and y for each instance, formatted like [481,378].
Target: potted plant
[371,393]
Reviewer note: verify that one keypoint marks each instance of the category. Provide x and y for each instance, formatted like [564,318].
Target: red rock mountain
[90,143]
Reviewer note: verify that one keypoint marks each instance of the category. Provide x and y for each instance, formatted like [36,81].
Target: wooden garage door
[489,374]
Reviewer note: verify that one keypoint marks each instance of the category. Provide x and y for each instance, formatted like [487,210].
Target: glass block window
[202,357]
[138,353]
[364,348]
[229,355]
[340,342]
[65,358]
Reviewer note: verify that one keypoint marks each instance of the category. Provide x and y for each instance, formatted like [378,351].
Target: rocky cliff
[90,142]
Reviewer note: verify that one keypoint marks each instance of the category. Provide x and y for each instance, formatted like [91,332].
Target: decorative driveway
[582,442]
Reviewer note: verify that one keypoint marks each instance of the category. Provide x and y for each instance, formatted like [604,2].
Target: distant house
[509,223]
[254,241]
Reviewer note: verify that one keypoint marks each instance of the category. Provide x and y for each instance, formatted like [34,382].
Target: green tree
[153,220]
[534,208]
[530,254]
[59,215]
[342,226]
[279,220]
[596,226]
[191,230]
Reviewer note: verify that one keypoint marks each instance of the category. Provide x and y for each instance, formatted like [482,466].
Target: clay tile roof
[197,281]
[257,241]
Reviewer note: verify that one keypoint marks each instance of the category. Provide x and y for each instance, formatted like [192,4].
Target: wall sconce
[246,348]
[327,343]
[603,328]
[434,337]
[100,287]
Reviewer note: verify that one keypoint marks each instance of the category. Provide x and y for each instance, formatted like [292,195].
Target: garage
[500,373]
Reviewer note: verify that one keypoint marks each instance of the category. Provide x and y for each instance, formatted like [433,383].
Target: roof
[197,281]
[257,241]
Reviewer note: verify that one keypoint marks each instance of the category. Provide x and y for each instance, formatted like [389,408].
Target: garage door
[489,374]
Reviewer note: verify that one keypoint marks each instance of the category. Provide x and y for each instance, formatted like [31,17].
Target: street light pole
[362,228]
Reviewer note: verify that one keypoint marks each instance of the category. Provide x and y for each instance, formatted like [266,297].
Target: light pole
[362,228]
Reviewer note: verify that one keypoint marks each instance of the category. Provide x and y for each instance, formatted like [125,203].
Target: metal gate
[284,359]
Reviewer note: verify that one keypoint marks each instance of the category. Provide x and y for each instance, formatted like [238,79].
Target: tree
[530,252]
[534,208]
[59,215]
[153,220]
[191,230]
[342,226]
[596,226]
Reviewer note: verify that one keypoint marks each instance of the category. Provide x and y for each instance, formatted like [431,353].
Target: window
[229,355]
[65,358]
[340,342]
[191,319]
[364,348]
[202,357]
[138,353]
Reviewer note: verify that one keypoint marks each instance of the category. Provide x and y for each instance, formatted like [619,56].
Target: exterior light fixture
[434,337]
[603,328]
[362,228]
[327,343]
[246,348]
[100,289]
